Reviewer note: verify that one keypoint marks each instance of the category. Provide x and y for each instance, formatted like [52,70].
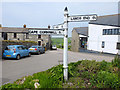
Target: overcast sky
[42,14]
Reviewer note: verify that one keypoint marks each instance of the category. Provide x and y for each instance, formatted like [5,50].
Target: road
[14,69]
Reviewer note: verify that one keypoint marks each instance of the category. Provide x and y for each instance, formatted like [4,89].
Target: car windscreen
[9,48]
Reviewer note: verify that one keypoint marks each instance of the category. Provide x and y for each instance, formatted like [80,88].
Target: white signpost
[81,18]
[47,32]
[59,26]
[67,19]
[62,29]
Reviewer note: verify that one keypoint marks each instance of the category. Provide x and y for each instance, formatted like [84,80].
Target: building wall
[95,39]
[20,36]
[75,41]
[45,39]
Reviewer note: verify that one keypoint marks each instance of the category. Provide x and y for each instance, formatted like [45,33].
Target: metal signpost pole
[65,56]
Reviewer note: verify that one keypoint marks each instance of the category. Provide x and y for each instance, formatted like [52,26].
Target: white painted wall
[95,39]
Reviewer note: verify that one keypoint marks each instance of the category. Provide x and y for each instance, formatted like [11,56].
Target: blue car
[16,51]
[37,49]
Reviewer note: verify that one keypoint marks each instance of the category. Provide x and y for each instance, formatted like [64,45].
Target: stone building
[15,33]
[79,38]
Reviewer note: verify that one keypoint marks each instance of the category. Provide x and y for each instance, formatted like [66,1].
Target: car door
[20,50]
[25,51]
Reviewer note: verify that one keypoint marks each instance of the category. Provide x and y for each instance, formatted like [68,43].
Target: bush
[90,66]
[72,70]
[116,61]
[9,85]
[105,79]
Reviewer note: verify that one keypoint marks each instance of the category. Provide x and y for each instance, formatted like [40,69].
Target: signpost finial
[66,9]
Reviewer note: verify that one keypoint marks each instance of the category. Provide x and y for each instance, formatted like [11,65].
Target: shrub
[45,80]
[72,70]
[105,79]
[106,66]
[116,61]
[9,85]
[57,75]
[90,66]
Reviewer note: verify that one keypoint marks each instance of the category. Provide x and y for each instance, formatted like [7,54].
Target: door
[21,51]
[39,43]
[4,35]
[25,51]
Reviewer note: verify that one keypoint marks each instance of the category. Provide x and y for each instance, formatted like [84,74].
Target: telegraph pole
[65,56]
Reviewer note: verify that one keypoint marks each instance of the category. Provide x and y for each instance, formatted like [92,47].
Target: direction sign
[59,26]
[47,32]
[82,18]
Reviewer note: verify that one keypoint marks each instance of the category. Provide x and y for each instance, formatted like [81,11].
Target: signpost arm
[65,56]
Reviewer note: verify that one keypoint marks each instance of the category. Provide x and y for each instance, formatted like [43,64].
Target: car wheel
[18,57]
[29,54]
[39,53]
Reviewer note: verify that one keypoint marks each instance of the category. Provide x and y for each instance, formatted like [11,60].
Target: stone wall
[20,36]
[75,43]
[27,44]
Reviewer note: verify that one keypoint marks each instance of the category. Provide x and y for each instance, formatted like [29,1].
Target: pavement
[15,69]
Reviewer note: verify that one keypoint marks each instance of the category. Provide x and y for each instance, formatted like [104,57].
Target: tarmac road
[15,69]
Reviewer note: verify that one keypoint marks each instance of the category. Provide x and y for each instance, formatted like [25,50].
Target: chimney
[48,26]
[24,26]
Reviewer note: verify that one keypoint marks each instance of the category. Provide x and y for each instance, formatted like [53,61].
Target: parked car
[16,51]
[54,47]
[37,49]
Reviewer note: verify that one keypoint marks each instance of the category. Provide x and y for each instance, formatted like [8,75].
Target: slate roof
[16,30]
[19,30]
[38,28]
[109,20]
[81,30]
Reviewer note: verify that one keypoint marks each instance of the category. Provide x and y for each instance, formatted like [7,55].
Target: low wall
[25,43]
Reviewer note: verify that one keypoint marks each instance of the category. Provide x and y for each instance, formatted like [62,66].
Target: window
[118,45]
[20,48]
[39,36]
[103,44]
[104,31]
[27,36]
[23,47]
[15,35]
[110,31]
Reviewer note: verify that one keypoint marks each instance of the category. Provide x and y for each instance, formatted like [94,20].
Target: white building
[104,34]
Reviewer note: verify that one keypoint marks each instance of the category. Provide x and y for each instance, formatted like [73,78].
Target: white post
[65,56]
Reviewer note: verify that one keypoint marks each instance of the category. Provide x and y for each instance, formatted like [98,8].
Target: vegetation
[19,41]
[59,42]
[82,74]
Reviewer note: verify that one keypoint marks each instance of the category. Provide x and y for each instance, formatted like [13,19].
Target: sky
[42,14]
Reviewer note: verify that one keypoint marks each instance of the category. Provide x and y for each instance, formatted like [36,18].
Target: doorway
[83,42]
[39,43]
[4,35]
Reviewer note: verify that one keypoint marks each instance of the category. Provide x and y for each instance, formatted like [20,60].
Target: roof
[81,30]
[38,28]
[19,30]
[13,29]
[109,20]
